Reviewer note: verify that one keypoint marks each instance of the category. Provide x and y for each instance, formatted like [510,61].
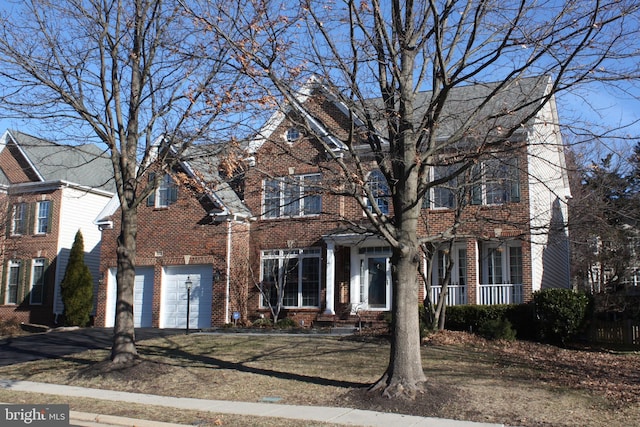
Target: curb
[87,419]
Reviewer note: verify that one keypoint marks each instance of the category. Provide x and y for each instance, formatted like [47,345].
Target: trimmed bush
[497,329]
[561,313]
[286,323]
[77,286]
[470,318]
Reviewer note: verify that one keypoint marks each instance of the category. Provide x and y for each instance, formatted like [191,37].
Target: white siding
[78,210]
[548,193]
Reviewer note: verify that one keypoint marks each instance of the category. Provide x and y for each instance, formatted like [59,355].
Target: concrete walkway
[346,416]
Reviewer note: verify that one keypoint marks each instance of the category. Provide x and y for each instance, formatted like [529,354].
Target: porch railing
[500,294]
[456,295]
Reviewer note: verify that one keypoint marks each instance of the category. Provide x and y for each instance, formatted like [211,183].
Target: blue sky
[604,109]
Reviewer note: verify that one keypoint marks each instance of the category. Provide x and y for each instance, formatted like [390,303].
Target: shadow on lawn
[175,352]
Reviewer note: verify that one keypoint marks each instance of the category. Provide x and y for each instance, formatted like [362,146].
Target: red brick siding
[168,236]
[26,248]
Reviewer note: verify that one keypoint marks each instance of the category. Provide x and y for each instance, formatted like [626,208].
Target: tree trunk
[124,347]
[404,376]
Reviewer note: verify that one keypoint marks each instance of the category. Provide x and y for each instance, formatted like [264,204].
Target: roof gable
[478,110]
[39,160]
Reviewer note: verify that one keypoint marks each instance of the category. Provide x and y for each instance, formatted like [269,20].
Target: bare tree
[123,73]
[378,58]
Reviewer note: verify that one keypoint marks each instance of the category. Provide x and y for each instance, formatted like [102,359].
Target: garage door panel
[174,297]
[142,298]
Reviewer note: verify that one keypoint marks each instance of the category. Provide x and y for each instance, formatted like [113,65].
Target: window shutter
[45,282]
[21,283]
[173,194]
[151,200]
[50,217]
[9,221]
[515,184]
[3,288]
[26,286]
[30,218]
[476,185]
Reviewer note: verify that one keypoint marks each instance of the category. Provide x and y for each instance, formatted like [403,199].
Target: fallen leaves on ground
[614,375]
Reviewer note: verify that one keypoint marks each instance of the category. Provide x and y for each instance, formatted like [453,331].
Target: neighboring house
[614,266]
[49,192]
[188,230]
[282,224]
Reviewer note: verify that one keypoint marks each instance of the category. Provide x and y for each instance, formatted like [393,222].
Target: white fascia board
[35,187]
[278,117]
[110,208]
[31,164]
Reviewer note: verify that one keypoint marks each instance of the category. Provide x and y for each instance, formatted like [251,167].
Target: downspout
[228,272]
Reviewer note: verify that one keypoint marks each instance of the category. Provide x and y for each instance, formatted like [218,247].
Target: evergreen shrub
[561,313]
[77,286]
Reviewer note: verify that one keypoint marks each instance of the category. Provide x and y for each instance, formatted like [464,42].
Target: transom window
[292,196]
[295,273]
[377,185]
[496,181]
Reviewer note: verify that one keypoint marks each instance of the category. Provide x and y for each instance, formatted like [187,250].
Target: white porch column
[477,280]
[330,279]
[354,286]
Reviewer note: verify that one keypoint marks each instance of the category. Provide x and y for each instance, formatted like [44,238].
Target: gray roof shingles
[85,165]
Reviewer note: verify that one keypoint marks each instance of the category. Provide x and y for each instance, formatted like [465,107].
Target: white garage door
[173,302]
[142,298]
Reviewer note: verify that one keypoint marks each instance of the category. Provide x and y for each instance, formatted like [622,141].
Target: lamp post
[188,283]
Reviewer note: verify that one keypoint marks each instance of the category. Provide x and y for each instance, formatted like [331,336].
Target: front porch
[487,294]
[357,275]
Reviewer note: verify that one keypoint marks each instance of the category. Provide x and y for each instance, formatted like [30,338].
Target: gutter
[228,273]
[54,185]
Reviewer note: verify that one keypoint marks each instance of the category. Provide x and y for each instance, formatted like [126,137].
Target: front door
[375,278]
[377,282]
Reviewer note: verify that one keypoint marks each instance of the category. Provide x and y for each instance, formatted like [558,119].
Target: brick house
[187,230]
[48,193]
[291,215]
[511,239]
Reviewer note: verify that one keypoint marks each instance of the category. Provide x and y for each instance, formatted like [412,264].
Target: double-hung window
[293,274]
[19,219]
[13,280]
[44,215]
[496,181]
[37,281]
[377,185]
[165,194]
[444,196]
[292,196]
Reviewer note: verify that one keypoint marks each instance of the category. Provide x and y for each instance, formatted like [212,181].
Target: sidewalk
[346,416]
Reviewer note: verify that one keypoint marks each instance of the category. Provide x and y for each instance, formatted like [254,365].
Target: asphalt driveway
[61,343]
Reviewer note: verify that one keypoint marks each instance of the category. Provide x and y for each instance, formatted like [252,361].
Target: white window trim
[283,255]
[46,218]
[483,184]
[23,219]
[10,265]
[37,262]
[300,180]
[432,196]
[366,199]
